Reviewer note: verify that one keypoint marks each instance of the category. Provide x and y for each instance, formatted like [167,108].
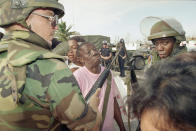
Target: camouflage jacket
[45,93]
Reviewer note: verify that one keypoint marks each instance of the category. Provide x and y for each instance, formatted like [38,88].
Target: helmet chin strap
[24,24]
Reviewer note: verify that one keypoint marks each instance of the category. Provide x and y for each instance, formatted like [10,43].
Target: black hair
[170,87]
[79,48]
[77,38]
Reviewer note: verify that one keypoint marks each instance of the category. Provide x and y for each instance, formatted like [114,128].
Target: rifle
[133,80]
[135,63]
[100,81]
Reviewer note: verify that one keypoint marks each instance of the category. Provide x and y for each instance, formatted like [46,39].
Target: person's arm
[124,56]
[117,116]
[74,69]
[100,52]
[78,75]
[110,55]
[72,110]
[117,112]
[53,83]
[103,57]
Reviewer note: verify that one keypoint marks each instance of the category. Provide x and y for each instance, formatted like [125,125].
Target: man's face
[121,44]
[42,25]
[73,45]
[89,55]
[104,45]
[164,46]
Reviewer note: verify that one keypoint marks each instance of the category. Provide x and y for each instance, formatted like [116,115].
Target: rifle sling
[106,98]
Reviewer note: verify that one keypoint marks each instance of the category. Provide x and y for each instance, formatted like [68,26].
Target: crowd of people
[41,91]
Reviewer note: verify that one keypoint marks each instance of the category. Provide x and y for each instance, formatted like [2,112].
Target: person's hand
[65,58]
[108,58]
[94,103]
[98,122]
[105,58]
[94,100]
[102,57]
[124,57]
[122,128]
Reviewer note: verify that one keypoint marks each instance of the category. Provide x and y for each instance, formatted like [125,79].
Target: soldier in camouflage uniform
[38,91]
[166,34]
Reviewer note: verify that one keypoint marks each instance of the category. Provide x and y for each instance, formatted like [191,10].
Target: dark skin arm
[117,116]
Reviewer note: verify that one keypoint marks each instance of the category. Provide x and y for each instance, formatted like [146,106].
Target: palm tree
[64,32]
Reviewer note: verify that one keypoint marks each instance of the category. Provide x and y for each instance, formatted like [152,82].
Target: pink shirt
[86,79]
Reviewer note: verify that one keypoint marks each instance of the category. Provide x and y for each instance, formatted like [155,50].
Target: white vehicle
[191,45]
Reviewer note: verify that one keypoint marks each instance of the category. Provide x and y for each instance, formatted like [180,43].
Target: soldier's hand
[94,100]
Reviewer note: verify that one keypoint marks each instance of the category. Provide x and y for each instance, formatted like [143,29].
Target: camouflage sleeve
[50,81]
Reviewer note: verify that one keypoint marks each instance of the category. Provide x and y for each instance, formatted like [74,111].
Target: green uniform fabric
[44,92]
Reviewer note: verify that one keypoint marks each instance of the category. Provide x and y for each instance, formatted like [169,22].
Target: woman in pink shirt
[86,77]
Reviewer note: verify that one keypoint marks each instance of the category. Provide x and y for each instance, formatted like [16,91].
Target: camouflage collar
[178,50]
[27,36]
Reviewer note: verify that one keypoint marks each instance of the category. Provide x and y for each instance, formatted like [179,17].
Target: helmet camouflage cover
[155,27]
[16,11]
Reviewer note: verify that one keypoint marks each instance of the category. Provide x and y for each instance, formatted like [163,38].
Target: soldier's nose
[159,47]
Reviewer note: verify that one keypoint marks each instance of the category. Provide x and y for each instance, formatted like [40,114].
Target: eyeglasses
[52,19]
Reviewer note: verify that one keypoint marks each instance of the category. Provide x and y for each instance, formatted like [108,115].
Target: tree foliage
[63,33]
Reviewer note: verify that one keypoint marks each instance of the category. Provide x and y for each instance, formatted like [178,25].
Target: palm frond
[64,31]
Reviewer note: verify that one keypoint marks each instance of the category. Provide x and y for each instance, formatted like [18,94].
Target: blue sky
[121,18]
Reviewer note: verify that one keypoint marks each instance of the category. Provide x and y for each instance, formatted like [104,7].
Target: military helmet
[16,11]
[162,27]
[104,42]
[122,40]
